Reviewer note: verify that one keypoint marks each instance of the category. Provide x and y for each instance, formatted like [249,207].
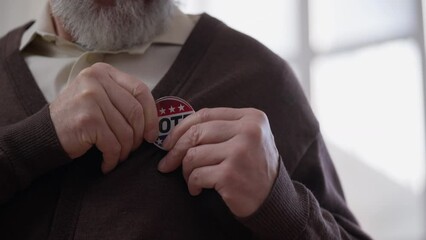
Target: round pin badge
[171,111]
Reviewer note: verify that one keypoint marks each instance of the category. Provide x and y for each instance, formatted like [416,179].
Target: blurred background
[362,66]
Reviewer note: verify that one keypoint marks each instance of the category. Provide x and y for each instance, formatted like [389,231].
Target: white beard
[127,24]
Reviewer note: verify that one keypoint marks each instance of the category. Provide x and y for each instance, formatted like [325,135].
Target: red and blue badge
[171,111]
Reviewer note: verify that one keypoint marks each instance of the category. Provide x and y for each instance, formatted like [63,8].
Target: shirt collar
[177,30]
[42,27]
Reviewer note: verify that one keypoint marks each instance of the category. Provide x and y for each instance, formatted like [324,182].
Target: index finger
[142,93]
[201,116]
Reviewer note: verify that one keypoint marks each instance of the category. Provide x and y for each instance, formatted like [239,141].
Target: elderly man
[78,122]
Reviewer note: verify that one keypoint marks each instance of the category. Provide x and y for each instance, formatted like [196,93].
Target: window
[361,64]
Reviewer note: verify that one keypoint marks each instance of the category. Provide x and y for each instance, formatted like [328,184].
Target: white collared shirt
[54,61]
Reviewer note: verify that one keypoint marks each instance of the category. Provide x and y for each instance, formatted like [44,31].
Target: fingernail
[162,166]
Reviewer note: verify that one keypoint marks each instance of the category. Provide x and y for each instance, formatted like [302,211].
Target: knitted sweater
[46,195]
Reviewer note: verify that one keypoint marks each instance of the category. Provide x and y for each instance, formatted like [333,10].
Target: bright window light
[272,22]
[336,23]
[370,104]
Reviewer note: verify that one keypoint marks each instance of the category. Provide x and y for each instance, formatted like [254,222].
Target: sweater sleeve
[28,149]
[309,204]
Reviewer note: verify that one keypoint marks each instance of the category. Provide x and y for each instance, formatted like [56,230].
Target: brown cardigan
[43,195]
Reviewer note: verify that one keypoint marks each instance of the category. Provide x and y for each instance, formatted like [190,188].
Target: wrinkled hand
[230,150]
[107,108]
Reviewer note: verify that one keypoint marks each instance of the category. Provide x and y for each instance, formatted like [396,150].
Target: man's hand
[230,150]
[107,108]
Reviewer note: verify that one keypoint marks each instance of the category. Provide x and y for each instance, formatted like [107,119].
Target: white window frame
[303,61]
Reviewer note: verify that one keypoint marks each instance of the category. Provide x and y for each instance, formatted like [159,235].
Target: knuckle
[85,137]
[194,135]
[87,94]
[258,114]
[84,125]
[89,74]
[140,89]
[85,120]
[253,130]
[190,156]
[203,114]
[100,66]
[135,113]
[94,72]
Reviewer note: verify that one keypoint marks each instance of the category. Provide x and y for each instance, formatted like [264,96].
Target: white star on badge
[162,111]
[181,108]
[159,142]
[172,109]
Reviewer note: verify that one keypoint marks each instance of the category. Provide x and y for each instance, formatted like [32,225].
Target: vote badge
[171,111]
